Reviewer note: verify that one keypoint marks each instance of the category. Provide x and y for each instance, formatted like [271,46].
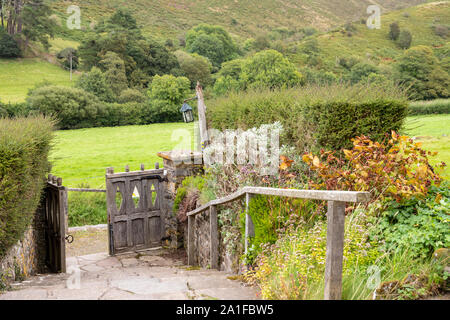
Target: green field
[434,133]
[81,156]
[17,76]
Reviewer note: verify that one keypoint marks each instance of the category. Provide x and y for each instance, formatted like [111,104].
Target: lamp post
[188,116]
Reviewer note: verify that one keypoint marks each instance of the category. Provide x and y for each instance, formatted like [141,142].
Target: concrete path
[150,275]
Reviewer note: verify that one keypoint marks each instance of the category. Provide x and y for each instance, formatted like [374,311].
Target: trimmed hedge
[24,148]
[314,117]
[438,106]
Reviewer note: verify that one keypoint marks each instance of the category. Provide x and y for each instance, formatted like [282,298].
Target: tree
[37,25]
[212,42]
[95,82]
[394,31]
[29,19]
[169,88]
[269,69]
[8,46]
[66,55]
[114,70]
[419,70]
[194,67]
[404,39]
[143,58]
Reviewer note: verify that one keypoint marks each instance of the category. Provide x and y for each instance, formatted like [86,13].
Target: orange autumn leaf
[285,162]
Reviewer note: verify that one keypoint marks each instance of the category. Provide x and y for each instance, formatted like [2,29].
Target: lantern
[188,116]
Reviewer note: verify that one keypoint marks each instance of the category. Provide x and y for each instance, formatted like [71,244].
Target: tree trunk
[1,13]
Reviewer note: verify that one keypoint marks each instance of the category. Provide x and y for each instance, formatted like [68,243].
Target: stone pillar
[178,165]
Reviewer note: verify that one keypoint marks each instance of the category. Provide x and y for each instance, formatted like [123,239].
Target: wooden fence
[335,229]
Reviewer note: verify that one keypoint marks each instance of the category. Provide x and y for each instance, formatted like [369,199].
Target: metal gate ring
[69,236]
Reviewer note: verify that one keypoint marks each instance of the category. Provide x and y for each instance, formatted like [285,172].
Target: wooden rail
[335,229]
[86,190]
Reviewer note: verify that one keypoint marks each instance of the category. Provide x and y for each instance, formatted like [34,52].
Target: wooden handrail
[335,227]
[327,195]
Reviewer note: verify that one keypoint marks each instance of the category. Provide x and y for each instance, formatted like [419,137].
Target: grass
[81,156]
[434,133]
[17,76]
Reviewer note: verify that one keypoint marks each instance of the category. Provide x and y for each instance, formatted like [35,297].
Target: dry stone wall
[27,257]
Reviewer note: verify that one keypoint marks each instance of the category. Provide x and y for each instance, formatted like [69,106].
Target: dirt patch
[87,242]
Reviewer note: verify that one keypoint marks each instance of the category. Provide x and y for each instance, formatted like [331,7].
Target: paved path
[153,275]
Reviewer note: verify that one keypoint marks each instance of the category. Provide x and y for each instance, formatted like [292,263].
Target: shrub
[170,89]
[73,108]
[394,31]
[273,217]
[438,106]
[420,225]
[404,39]
[314,117]
[398,169]
[441,30]
[294,267]
[8,45]
[123,114]
[95,83]
[131,95]
[24,148]
[362,71]
[12,110]
[269,69]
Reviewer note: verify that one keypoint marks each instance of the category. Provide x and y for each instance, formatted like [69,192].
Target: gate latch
[69,238]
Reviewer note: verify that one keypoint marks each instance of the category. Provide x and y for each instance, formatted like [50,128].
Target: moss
[18,274]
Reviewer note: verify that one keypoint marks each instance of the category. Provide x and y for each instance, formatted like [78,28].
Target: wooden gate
[136,209]
[55,211]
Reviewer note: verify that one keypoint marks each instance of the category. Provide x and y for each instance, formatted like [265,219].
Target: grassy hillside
[242,18]
[17,76]
[373,44]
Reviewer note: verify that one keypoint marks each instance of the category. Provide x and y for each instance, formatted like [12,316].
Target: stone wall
[27,257]
[177,167]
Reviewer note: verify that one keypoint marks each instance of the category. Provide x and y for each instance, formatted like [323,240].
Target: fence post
[214,238]
[191,247]
[335,250]
[249,227]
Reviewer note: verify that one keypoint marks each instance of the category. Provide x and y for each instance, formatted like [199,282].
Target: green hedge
[438,106]
[314,117]
[75,108]
[24,147]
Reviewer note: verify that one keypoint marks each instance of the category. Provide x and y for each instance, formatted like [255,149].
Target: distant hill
[374,45]
[242,18]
